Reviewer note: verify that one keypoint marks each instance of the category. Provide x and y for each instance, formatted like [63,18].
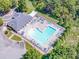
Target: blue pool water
[42,37]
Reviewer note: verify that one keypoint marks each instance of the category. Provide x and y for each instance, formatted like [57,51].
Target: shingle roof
[19,20]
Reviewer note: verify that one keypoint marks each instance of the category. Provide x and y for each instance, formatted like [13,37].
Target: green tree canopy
[24,6]
[5,5]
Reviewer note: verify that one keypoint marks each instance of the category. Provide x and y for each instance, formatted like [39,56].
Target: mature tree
[24,6]
[62,51]
[5,6]
[40,6]
[77,49]
[14,3]
[21,5]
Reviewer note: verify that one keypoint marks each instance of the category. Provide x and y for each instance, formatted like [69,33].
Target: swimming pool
[42,37]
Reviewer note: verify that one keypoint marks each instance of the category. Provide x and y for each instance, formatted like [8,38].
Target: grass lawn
[8,33]
[33,50]
[29,47]
[1,22]
[17,38]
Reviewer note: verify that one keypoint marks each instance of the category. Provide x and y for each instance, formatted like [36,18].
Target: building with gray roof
[18,21]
